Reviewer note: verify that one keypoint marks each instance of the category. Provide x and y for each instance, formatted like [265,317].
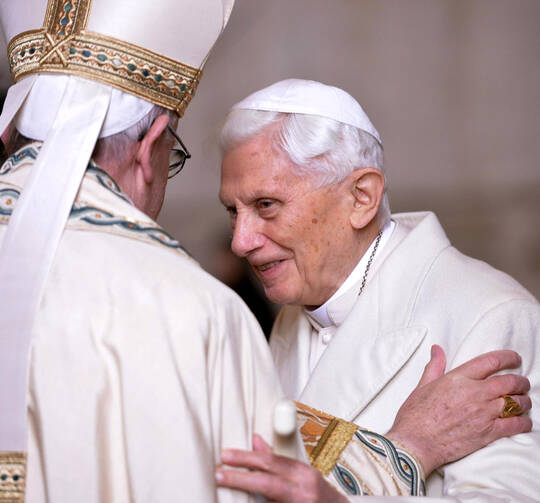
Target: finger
[510,426]
[484,365]
[261,461]
[507,384]
[260,445]
[268,485]
[523,401]
[435,367]
[494,407]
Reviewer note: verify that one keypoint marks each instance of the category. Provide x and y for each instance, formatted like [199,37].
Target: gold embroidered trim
[64,17]
[12,477]
[324,437]
[63,46]
[332,445]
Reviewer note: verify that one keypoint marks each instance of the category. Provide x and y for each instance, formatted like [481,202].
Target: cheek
[308,245]
[317,237]
[307,237]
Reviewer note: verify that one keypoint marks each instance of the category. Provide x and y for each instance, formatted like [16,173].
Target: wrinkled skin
[276,477]
[446,417]
[301,240]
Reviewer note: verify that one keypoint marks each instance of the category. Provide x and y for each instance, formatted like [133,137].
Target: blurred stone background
[453,86]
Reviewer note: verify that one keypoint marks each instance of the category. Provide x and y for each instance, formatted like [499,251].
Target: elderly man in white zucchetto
[125,369]
[367,294]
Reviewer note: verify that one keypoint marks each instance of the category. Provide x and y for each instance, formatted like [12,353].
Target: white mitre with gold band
[83,69]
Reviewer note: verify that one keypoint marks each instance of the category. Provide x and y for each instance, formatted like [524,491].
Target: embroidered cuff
[357,461]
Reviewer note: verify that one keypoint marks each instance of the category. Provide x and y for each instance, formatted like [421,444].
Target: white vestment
[143,366]
[422,291]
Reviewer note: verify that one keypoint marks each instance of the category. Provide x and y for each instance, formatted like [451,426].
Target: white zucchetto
[311,98]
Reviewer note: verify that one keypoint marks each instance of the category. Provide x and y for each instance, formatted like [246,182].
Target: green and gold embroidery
[12,477]
[64,46]
[330,442]
[82,211]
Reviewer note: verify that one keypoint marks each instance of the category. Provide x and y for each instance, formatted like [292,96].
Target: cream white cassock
[143,366]
[422,291]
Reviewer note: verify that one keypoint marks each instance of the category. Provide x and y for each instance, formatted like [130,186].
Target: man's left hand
[278,478]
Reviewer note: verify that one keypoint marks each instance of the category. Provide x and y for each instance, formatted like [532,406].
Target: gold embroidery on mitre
[64,17]
[324,437]
[64,46]
[12,477]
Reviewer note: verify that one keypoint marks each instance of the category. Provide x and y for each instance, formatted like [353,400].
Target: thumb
[435,367]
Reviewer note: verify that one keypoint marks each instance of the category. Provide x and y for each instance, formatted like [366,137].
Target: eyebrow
[255,195]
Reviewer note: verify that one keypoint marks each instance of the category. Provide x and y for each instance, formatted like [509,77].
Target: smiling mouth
[265,267]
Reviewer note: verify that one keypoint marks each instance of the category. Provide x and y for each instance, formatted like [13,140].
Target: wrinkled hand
[278,478]
[451,415]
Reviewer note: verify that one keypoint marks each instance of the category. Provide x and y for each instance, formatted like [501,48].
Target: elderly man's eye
[263,204]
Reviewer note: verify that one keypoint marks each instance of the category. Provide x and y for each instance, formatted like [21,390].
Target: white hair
[318,146]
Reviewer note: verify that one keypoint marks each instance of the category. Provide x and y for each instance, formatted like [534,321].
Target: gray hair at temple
[110,148]
[318,146]
[115,146]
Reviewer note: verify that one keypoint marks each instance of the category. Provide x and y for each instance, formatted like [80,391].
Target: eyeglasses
[178,156]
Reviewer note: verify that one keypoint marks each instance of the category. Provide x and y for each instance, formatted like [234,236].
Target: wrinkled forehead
[255,170]
[257,155]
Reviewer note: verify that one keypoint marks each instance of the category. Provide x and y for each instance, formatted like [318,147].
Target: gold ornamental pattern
[324,436]
[12,477]
[64,46]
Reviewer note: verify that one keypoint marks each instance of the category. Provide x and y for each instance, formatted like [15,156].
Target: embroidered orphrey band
[324,437]
[340,450]
[64,46]
[12,477]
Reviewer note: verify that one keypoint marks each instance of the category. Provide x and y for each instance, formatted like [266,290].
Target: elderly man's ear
[147,145]
[367,187]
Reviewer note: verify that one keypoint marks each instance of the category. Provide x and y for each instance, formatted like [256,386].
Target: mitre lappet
[83,70]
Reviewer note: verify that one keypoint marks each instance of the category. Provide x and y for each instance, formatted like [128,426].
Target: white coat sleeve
[508,470]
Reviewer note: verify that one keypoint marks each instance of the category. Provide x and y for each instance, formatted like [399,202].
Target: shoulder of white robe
[32,237]
[16,95]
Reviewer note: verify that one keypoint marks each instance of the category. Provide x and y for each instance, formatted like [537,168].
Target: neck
[123,172]
[366,236]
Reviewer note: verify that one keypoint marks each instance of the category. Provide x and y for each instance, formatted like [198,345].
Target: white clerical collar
[336,308]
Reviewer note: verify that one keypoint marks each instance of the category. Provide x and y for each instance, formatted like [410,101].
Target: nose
[246,236]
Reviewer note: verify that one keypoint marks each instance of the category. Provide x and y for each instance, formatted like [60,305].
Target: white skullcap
[36,116]
[299,96]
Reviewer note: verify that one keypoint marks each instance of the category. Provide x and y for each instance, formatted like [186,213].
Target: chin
[280,297]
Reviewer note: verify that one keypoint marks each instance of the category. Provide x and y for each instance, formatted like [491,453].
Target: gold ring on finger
[510,408]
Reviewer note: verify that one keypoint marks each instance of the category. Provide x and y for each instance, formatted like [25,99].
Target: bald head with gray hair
[322,148]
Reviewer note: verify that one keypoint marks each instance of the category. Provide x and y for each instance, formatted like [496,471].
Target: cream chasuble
[143,366]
